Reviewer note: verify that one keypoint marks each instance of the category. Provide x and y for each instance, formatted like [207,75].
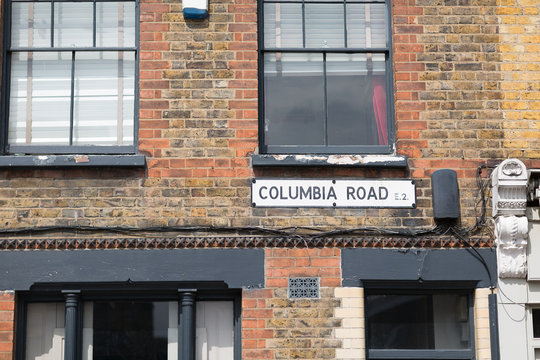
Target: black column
[70,339]
[494,326]
[186,320]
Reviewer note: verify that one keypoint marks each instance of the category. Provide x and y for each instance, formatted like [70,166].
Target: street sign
[333,193]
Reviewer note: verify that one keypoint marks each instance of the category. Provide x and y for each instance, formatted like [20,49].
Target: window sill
[361,161]
[16,161]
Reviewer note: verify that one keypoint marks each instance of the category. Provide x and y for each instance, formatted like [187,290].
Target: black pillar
[494,327]
[70,339]
[186,314]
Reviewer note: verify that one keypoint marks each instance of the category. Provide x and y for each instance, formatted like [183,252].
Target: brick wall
[352,331]
[448,88]
[520,71]
[481,324]
[276,327]
[7,310]
[459,103]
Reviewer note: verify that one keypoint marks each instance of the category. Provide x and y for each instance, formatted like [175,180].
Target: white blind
[45,331]
[41,82]
[324,25]
[215,330]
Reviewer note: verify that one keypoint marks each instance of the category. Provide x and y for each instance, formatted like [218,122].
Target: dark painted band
[14,161]
[238,268]
[419,265]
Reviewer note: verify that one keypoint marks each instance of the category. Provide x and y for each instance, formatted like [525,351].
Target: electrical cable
[305,233]
[476,255]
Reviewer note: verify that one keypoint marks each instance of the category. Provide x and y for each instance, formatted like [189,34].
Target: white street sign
[333,193]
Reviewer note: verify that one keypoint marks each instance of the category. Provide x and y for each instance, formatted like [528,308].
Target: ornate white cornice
[512,234]
[509,181]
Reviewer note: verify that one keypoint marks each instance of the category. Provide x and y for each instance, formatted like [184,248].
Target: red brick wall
[275,327]
[7,310]
[447,91]
[198,90]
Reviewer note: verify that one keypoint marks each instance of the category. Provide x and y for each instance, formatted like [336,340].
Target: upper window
[71,77]
[412,324]
[327,77]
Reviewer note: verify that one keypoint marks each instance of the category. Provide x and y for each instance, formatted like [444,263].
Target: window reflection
[130,330]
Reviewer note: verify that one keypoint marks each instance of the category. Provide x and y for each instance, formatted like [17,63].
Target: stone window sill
[44,161]
[360,161]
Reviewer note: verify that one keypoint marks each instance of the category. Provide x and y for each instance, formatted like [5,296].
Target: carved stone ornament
[512,234]
[512,204]
[512,168]
[509,181]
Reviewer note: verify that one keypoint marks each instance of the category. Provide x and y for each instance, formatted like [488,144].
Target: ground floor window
[419,324]
[92,326]
[534,332]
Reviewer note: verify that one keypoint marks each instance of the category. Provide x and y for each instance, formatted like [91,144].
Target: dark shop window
[419,325]
[118,334]
[536,322]
[70,77]
[128,327]
[326,77]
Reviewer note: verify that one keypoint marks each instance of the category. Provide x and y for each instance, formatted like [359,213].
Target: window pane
[129,330]
[536,322]
[104,96]
[438,321]
[325,26]
[115,24]
[40,98]
[45,331]
[356,100]
[215,330]
[283,25]
[366,25]
[31,25]
[73,24]
[294,99]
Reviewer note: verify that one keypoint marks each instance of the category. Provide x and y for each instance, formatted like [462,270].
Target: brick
[257,354]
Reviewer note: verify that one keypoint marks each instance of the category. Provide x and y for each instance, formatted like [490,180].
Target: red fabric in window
[379,108]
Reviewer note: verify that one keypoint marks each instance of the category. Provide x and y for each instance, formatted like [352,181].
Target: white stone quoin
[509,181]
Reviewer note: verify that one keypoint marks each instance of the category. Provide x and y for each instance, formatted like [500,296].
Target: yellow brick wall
[481,324]
[352,331]
[520,69]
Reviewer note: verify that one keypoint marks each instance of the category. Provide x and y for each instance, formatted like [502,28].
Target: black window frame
[408,288]
[10,152]
[325,149]
[124,292]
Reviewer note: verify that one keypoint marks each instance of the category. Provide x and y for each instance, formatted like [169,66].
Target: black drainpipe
[493,326]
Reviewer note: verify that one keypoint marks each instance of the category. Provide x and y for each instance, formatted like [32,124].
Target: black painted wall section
[360,265]
[238,268]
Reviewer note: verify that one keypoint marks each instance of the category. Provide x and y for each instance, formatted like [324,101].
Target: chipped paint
[44,159]
[281,157]
[338,159]
[81,158]
[357,159]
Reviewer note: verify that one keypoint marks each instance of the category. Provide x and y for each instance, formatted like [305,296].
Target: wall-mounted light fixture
[195,9]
